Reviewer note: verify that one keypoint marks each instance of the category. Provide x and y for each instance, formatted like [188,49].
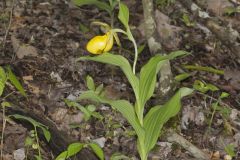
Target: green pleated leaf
[62,156]
[97,150]
[46,133]
[99,4]
[159,115]
[74,148]
[15,82]
[123,14]
[147,80]
[120,61]
[148,76]
[3,79]
[38,157]
[182,77]
[44,128]
[90,83]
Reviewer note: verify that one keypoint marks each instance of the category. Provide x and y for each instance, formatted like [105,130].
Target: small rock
[56,77]
[23,50]
[234,114]
[216,156]
[19,154]
[227,157]
[100,141]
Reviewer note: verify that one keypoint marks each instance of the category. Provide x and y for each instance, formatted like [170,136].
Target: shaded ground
[51,39]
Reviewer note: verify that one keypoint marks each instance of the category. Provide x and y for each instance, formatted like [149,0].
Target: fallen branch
[9,26]
[196,152]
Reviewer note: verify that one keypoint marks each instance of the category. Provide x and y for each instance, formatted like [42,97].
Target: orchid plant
[147,125]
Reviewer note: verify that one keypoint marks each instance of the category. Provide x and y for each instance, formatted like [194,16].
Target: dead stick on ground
[197,153]
[9,26]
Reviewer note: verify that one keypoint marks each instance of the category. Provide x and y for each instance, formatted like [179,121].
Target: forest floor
[41,41]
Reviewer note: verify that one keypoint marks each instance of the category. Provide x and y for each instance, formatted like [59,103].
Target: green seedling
[187,21]
[204,87]
[223,110]
[8,75]
[34,133]
[230,150]
[75,148]
[88,111]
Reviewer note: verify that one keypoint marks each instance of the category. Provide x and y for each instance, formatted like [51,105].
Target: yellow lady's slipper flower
[100,44]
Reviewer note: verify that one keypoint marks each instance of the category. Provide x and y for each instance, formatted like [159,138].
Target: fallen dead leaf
[64,119]
[227,157]
[233,76]
[167,32]
[7,157]
[215,156]
[23,50]
[192,114]
[19,154]
[100,141]
[218,7]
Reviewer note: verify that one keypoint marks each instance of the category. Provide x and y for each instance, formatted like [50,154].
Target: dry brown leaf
[233,76]
[22,50]
[218,6]
[215,156]
[168,33]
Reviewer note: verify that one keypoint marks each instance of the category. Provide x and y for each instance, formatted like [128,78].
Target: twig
[215,99]
[3,129]
[201,68]
[196,152]
[9,26]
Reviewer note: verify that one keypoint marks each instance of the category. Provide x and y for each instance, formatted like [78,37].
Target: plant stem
[112,19]
[3,128]
[39,152]
[135,57]
[213,113]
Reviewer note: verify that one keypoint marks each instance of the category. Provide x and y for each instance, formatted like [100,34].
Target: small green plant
[204,87]
[186,19]
[222,110]
[6,75]
[33,139]
[88,111]
[230,150]
[76,147]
